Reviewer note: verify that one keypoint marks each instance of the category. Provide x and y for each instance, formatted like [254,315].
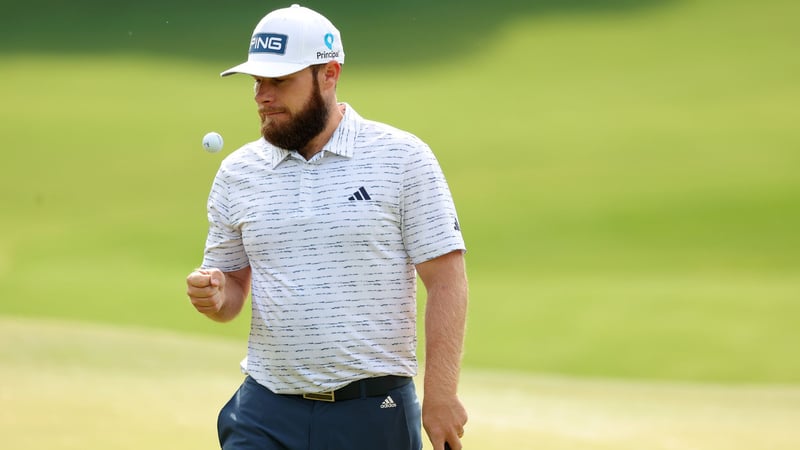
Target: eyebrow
[283,77]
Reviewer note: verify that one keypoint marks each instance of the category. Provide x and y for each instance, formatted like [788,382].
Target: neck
[314,146]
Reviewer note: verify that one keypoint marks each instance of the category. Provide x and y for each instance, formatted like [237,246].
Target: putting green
[70,385]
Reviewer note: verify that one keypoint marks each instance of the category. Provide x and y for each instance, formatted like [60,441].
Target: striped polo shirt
[332,243]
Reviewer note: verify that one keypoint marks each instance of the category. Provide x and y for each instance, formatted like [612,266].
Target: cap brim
[266,70]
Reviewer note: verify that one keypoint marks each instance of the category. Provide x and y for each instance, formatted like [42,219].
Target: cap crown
[288,40]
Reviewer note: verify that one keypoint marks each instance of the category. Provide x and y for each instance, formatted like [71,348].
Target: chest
[343,199]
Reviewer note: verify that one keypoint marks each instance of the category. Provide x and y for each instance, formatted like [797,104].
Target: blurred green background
[626,172]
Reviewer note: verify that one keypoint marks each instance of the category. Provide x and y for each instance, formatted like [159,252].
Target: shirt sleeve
[224,248]
[430,223]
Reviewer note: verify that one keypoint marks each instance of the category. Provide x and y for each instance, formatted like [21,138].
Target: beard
[301,127]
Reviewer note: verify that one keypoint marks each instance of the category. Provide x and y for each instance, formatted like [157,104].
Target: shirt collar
[278,154]
[341,143]
[343,140]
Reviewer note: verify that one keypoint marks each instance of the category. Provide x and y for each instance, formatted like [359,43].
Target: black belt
[368,387]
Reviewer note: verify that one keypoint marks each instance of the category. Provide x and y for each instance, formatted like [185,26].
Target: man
[326,222]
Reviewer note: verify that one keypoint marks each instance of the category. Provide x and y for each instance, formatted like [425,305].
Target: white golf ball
[212,142]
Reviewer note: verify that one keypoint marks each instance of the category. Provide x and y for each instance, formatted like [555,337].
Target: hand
[205,290]
[444,420]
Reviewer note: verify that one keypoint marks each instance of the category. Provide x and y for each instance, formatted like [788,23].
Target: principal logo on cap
[268,43]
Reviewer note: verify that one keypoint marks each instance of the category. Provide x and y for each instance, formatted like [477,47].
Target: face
[291,108]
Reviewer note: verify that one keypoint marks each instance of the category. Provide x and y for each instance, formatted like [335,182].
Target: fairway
[625,173]
[71,385]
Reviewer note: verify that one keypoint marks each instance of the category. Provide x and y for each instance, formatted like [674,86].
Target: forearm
[445,322]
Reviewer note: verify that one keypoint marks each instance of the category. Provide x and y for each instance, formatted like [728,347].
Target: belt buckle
[321,396]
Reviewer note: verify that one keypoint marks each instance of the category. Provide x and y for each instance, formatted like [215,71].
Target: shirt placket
[308,177]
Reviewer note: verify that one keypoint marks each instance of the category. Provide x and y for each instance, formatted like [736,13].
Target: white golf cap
[288,40]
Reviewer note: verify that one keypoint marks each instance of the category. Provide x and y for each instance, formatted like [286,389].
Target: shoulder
[372,136]
[247,157]
[374,130]
[246,153]
[378,139]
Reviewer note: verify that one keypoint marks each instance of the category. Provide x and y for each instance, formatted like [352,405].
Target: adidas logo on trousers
[388,403]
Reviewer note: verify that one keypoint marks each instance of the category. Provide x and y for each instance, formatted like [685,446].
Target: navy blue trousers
[257,419]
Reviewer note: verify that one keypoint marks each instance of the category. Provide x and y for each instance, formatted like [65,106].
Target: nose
[264,92]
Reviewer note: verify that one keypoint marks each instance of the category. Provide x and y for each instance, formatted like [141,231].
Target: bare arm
[219,295]
[443,415]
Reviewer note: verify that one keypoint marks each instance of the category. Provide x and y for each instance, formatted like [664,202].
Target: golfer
[325,223]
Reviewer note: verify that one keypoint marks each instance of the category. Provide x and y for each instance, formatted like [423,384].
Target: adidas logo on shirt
[388,403]
[360,194]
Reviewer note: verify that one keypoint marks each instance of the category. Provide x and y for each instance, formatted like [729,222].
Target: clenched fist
[219,295]
[205,289]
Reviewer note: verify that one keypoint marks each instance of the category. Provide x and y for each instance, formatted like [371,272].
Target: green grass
[626,182]
[668,328]
[92,386]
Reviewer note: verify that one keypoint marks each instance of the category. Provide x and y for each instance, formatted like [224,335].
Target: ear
[329,75]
